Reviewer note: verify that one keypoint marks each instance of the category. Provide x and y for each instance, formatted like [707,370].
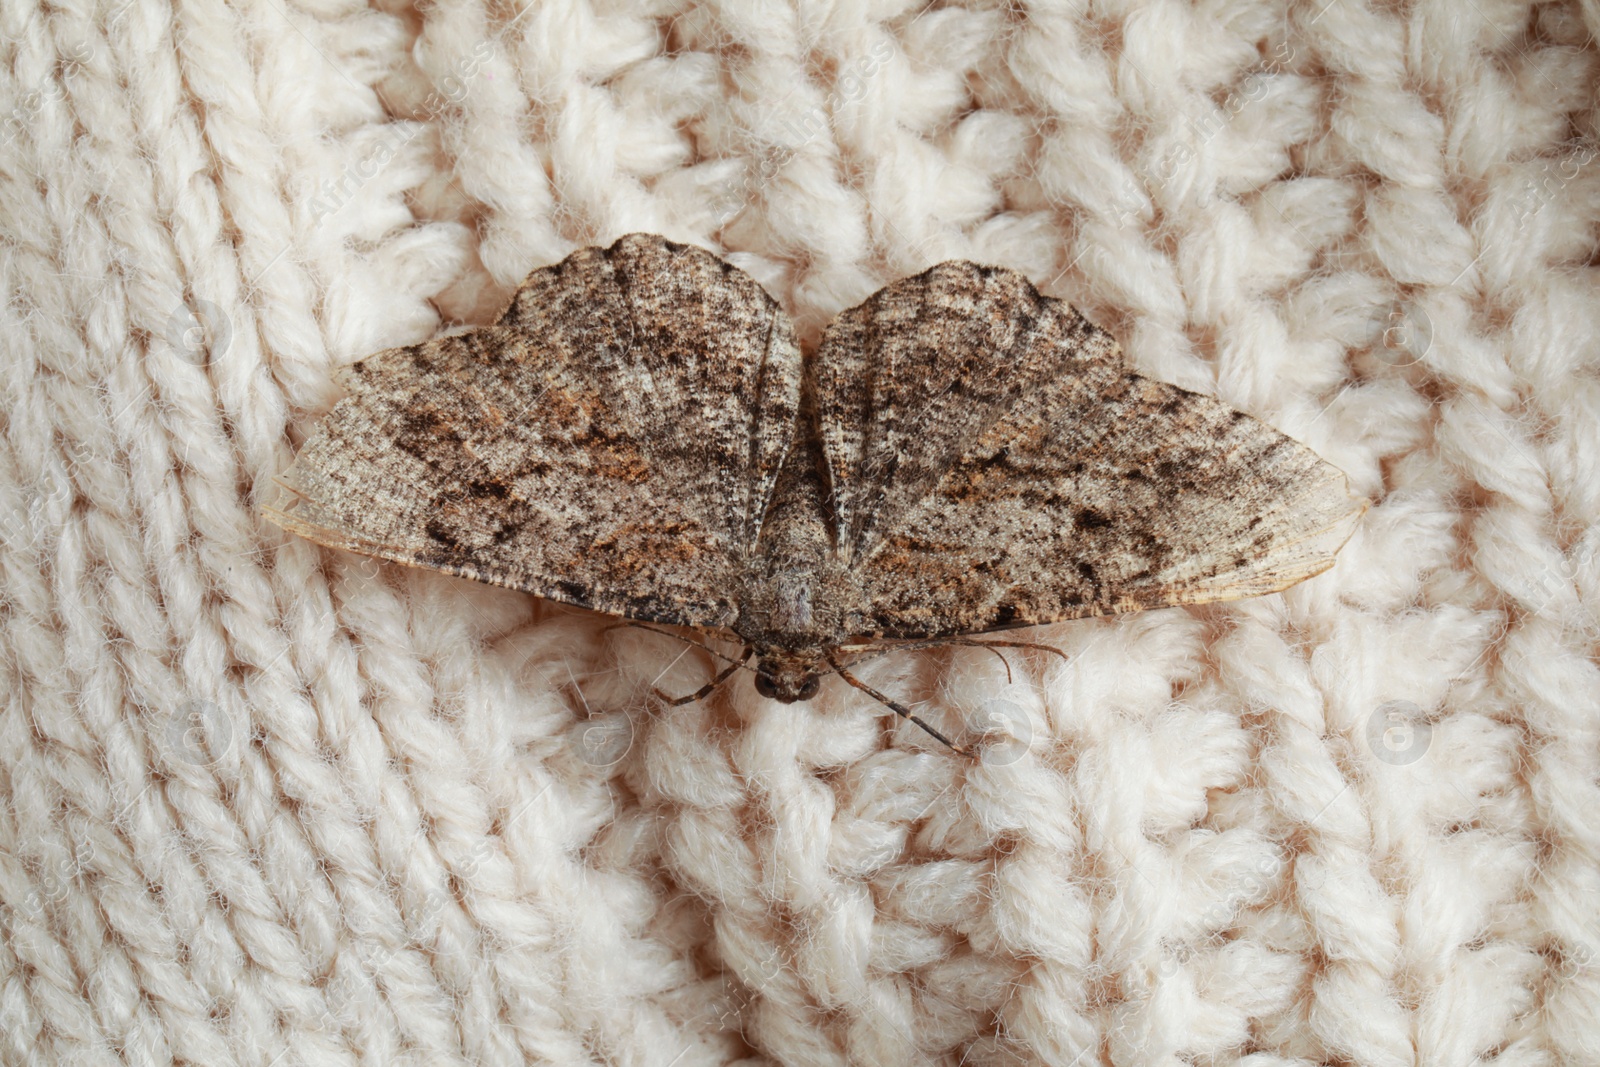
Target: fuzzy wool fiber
[267,803]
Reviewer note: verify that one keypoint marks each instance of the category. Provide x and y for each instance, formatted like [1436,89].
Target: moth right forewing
[1141,496]
[906,381]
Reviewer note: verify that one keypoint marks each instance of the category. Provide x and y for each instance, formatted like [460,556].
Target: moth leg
[896,707]
[705,690]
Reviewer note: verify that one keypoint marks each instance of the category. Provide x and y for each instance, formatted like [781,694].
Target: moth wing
[906,382]
[994,466]
[611,442]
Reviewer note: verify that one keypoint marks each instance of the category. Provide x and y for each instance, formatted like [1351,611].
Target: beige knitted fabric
[270,804]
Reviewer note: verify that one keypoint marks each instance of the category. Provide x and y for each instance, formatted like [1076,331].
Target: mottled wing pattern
[611,442]
[1084,491]
[909,380]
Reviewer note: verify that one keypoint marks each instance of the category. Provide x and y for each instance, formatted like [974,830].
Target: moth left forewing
[304,518]
[1141,496]
[611,443]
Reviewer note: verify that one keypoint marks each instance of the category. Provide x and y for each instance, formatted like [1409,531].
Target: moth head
[787,678]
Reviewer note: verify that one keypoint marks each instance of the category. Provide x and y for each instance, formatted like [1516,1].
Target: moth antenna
[875,653]
[705,690]
[1013,644]
[872,652]
[896,707]
[723,656]
[1001,656]
[879,649]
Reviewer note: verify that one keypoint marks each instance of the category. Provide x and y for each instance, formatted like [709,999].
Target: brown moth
[638,434]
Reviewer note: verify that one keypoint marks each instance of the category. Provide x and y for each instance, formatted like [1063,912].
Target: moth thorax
[792,598]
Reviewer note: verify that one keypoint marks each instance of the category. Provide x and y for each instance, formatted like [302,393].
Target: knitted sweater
[268,803]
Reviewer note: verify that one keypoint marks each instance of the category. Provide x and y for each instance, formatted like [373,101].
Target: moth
[639,434]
